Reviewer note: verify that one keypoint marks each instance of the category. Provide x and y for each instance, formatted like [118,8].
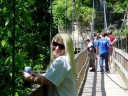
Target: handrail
[82,65]
[121,64]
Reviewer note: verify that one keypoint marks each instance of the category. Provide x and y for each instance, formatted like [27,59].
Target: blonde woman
[61,74]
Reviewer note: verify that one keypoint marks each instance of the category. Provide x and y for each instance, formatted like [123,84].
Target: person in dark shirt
[91,53]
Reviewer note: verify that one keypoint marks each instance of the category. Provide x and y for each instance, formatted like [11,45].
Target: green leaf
[9,33]
[8,60]
[4,43]
[17,94]
[4,10]
[7,22]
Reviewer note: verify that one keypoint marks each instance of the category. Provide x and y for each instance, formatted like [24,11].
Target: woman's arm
[36,78]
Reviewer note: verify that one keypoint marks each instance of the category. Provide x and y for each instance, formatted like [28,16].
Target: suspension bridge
[114,83]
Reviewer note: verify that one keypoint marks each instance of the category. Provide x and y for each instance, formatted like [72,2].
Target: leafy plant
[32,40]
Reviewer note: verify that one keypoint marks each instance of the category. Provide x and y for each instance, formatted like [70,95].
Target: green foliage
[32,40]
[118,5]
[125,31]
[84,12]
[32,37]
[116,32]
[122,32]
[59,10]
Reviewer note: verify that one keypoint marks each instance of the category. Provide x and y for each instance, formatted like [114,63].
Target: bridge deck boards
[106,84]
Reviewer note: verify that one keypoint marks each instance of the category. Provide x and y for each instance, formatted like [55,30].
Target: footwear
[108,71]
[92,70]
[102,72]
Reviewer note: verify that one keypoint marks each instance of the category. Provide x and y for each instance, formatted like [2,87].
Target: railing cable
[116,82]
[113,80]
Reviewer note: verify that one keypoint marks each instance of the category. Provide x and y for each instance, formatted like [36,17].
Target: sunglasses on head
[61,46]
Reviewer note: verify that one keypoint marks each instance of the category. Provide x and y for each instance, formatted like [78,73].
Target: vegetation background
[32,21]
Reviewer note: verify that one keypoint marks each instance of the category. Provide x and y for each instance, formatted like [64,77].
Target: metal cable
[50,19]
[65,15]
[92,25]
[73,3]
[119,35]
[105,21]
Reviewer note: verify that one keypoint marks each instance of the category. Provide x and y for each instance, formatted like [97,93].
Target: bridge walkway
[106,84]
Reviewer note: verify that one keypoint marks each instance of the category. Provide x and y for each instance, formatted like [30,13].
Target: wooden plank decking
[106,84]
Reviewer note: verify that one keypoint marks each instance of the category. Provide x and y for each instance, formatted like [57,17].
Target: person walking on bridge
[111,47]
[91,53]
[103,49]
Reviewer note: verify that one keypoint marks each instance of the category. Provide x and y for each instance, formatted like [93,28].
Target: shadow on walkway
[103,84]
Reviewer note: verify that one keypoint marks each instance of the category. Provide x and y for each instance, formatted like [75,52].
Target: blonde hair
[69,50]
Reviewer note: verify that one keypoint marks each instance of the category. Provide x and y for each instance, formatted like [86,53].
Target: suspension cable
[65,15]
[77,19]
[105,21]
[119,35]
[73,3]
[50,21]
[92,25]
[126,26]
